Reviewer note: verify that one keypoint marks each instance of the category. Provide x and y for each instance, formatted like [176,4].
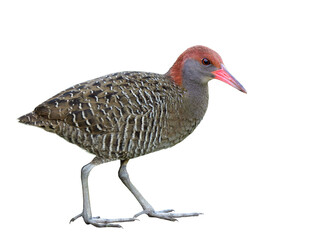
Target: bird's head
[199,65]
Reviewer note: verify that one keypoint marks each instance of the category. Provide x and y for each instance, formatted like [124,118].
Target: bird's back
[118,116]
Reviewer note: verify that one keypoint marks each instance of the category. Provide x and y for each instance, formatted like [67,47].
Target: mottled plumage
[128,114]
[118,116]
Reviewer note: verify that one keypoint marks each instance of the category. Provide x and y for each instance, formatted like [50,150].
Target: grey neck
[197,95]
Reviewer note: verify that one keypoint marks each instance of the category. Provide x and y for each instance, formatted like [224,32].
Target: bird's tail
[34,119]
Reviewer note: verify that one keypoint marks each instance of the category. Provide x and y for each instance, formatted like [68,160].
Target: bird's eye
[205,61]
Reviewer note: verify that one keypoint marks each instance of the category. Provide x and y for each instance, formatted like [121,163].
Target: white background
[246,166]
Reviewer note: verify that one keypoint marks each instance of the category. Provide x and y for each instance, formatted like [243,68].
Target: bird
[128,114]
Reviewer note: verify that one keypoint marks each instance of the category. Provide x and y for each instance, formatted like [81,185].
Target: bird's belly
[117,145]
[131,143]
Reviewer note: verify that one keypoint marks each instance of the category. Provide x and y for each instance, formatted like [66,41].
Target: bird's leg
[147,208]
[87,214]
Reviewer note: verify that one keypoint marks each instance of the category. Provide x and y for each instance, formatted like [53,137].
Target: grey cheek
[196,73]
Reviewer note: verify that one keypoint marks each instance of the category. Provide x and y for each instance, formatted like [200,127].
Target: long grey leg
[124,176]
[147,208]
[86,213]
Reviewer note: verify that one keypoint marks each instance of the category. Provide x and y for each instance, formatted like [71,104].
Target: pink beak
[223,75]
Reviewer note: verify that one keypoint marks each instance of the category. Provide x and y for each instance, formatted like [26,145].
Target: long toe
[170,215]
[102,225]
[106,220]
[103,222]
[76,217]
[167,214]
[151,211]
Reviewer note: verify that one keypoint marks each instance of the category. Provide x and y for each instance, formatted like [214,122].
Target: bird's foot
[103,222]
[167,214]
